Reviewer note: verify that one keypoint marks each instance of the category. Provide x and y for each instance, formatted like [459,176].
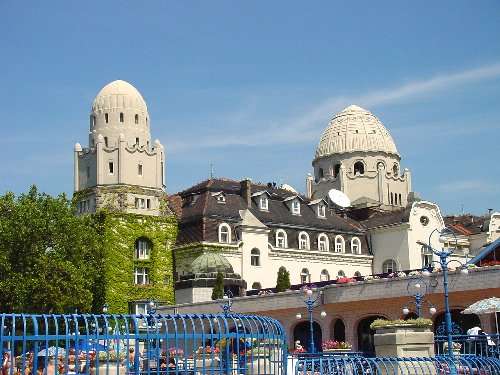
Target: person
[171,363]
[71,362]
[51,368]
[6,363]
[473,338]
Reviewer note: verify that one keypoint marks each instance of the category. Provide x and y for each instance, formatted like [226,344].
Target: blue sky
[250,86]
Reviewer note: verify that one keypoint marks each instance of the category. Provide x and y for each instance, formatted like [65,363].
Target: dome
[355,129]
[211,263]
[119,95]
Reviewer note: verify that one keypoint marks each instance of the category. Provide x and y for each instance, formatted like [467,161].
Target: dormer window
[220,197]
[321,210]
[263,203]
[296,207]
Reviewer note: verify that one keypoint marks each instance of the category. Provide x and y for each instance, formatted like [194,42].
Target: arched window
[323,243]
[255,257]
[389,266]
[121,116]
[305,276]
[359,168]
[281,241]
[395,169]
[321,210]
[355,245]
[224,233]
[324,276]
[142,249]
[392,198]
[304,241]
[400,203]
[256,286]
[139,169]
[106,118]
[357,274]
[340,274]
[336,170]
[136,118]
[321,173]
[339,244]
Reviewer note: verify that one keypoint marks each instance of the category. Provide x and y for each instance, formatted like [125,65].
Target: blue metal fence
[481,345]
[439,365]
[141,344]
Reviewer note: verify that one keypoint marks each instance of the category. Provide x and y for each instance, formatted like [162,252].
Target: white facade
[120,154]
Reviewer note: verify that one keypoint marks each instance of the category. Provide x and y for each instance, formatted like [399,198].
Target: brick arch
[363,333]
[304,334]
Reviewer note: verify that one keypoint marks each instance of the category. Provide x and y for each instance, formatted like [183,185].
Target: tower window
[106,141]
[111,167]
[359,168]
[139,169]
[137,141]
[142,249]
[136,118]
[121,116]
[321,174]
[336,170]
[141,276]
[255,257]
[395,169]
[106,118]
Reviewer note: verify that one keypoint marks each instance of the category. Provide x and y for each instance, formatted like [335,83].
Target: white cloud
[467,186]
[307,127]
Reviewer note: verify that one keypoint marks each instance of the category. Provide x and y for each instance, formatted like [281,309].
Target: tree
[283,280]
[49,258]
[218,290]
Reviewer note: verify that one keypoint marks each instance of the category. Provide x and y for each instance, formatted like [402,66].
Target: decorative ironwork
[130,345]
[455,329]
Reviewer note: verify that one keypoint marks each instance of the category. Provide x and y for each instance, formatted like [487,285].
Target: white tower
[357,155]
[120,169]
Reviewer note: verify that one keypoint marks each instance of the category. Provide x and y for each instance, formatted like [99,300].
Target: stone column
[78,149]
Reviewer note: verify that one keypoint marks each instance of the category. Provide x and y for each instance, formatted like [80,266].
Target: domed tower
[357,155]
[120,169]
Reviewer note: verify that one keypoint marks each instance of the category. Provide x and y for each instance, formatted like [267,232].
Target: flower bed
[334,345]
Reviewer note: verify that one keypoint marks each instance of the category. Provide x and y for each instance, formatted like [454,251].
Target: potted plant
[334,346]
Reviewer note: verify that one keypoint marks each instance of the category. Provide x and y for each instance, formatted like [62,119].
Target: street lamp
[417,288]
[152,307]
[443,256]
[311,304]
[227,302]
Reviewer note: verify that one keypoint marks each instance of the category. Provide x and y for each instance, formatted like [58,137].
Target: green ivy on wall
[120,231]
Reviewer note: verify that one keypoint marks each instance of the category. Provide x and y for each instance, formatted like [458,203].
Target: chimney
[246,191]
[309,186]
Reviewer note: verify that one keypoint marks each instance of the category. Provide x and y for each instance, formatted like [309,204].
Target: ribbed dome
[119,95]
[355,129]
[211,263]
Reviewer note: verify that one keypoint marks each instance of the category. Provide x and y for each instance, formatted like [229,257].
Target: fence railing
[439,365]
[141,344]
[480,345]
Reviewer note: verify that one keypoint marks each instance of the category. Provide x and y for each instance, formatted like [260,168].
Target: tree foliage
[49,258]
[283,280]
[218,290]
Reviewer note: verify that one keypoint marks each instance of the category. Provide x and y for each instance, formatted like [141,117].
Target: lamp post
[227,302]
[417,288]
[311,303]
[152,307]
[443,262]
